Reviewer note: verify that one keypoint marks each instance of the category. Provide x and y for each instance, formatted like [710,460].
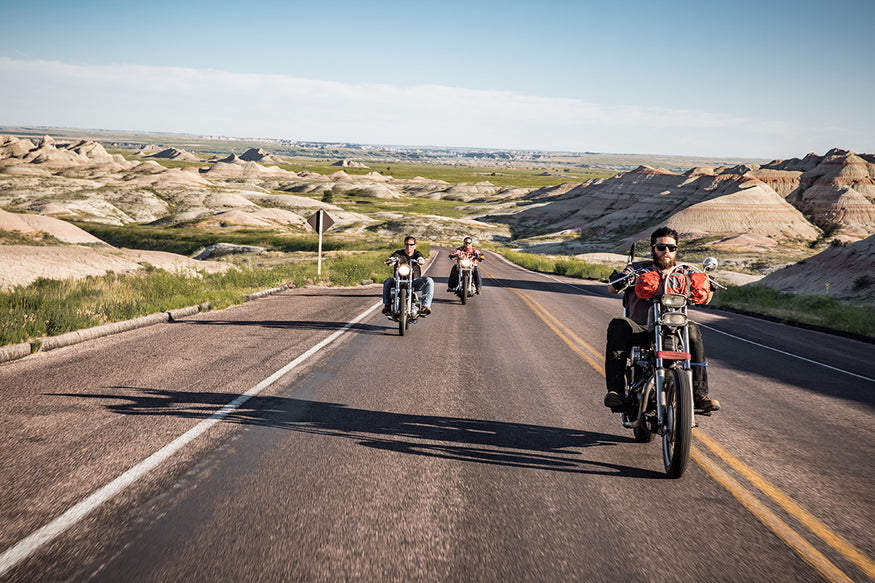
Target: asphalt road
[475,448]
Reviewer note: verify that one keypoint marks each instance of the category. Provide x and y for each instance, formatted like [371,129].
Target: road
[300,438]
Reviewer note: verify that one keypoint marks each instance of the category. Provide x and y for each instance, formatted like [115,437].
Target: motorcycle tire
[402,306]
[466,282]
[678,430]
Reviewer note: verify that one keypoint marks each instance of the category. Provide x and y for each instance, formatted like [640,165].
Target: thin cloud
[216,102]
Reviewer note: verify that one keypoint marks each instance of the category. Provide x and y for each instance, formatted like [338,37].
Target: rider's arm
[623,283]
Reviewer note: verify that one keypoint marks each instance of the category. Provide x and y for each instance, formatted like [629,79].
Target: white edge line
[841,370]
[23,549]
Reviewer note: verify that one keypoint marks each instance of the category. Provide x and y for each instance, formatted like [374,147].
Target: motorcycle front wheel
[678,428]
[402,306]
[465,284]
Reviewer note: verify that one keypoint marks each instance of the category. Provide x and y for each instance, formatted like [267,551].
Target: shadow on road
[581,287]
[456,438]
[301,324]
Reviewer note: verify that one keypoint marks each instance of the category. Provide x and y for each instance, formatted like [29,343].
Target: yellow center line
[802,547]
[555,325]
[790,537]
[813,524]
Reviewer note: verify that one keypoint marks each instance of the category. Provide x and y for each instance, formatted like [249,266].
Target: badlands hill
[260,156]
[841,271]
[750,209]
[80,255]
[49,180]
[785,200]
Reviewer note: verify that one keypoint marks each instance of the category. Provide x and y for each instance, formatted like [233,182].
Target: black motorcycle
[466,287]
[659,378]
[405,304]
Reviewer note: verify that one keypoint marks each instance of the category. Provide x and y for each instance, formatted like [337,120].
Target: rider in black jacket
[425,285]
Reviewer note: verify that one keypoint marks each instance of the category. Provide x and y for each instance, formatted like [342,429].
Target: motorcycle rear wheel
[402,306]
[677,432]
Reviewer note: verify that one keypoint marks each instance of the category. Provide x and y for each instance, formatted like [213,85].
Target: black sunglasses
[663,247]
[409,244]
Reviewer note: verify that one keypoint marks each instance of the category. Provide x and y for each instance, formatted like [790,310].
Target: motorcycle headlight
[674,319]
[404,270]
[465,262]
[674,300]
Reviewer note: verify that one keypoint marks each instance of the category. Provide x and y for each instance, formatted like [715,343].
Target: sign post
[320,222]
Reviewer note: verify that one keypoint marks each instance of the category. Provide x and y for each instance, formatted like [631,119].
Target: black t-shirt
[417,270]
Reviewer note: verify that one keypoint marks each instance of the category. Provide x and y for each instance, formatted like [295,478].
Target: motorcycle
[405,304]
[659,377]
[466,287]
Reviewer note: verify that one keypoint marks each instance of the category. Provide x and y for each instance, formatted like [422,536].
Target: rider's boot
[613,399]
[705,403]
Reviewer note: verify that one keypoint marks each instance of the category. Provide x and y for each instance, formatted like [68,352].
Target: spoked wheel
[402,304]
[466,282]
[677,432]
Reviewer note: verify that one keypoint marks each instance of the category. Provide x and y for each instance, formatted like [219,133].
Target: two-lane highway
[475,448]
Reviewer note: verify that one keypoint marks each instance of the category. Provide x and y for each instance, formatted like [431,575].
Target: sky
[745,79]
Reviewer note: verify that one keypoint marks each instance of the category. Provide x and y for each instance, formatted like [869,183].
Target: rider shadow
[548,286]
[290,324]
[454,438]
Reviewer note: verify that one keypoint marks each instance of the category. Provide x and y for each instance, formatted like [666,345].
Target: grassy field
[51,307]
[498,176]
[188,240]
[530,177]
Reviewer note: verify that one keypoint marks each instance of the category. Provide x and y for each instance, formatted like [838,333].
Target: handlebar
[396,260]
[630,278]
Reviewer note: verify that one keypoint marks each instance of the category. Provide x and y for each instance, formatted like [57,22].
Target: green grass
[819,310]
[50,307]
[36,239]
[498,176]
[561,266]
[408,205]
[186,241]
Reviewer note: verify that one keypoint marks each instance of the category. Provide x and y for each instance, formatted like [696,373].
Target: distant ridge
[795,199]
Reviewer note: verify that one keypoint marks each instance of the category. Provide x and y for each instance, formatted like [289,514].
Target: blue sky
[752,79]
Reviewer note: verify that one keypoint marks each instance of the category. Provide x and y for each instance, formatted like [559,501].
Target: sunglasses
[410,244]
[661,247]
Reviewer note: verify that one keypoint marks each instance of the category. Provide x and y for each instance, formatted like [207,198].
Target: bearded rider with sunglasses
[623,333]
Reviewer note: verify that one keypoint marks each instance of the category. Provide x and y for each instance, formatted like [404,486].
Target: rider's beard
[664,262]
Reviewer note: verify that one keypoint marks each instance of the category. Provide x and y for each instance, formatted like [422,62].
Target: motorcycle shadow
[461,439]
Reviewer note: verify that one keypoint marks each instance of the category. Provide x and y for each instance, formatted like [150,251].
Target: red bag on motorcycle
[701,287]
[648,284]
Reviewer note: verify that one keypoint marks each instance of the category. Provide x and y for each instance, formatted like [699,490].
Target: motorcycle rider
[623,333]
[466,250]
[425,285]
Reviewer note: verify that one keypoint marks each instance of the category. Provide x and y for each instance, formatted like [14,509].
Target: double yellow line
[801,546]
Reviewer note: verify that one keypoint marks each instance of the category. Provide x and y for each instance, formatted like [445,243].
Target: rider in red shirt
[466,250]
